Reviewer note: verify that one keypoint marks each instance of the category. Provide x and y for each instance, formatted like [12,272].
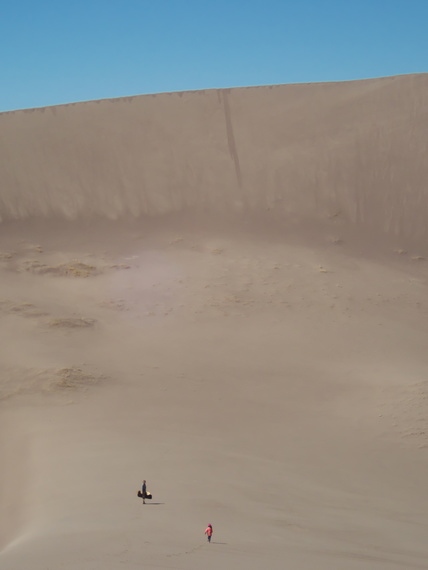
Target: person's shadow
[153,504]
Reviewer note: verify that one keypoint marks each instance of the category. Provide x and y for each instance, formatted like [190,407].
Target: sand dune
[224,293]
[353,149]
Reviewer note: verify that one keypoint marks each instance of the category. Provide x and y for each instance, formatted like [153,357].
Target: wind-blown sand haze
[224,293]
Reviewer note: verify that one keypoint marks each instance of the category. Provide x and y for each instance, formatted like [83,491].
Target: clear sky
[60,51]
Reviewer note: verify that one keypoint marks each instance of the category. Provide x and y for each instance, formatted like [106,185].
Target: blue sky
[54,52]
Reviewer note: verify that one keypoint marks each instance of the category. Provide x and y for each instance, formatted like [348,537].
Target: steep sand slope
[252,340]
[357,149]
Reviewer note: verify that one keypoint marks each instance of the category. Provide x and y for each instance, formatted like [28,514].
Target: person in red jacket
[209,532]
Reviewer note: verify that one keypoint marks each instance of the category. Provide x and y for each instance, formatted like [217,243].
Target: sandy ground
[263,375]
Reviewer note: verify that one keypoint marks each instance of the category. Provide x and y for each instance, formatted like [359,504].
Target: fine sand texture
[224,293]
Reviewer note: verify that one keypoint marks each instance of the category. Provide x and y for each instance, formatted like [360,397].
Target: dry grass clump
[27,382]
[76,269]
[115,304]
[74,378]
[120,266]
[22,309]
[71,269]
[5,255]
[36,248]
[72,323]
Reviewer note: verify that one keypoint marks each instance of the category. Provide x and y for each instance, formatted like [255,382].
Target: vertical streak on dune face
[230,135]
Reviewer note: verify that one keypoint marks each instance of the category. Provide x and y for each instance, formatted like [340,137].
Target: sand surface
[223,293]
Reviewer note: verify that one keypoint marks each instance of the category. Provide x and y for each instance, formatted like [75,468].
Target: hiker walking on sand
[144,491]
[209,532]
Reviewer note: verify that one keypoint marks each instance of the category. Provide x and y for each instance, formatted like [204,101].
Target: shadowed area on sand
[225,293]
